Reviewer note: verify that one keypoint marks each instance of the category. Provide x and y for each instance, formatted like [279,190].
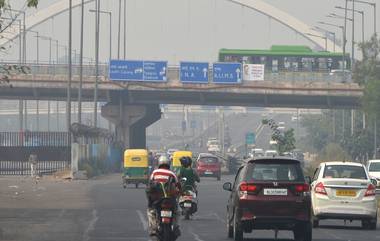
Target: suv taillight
[371,190]
[301,188]
[320,188]
[247,187]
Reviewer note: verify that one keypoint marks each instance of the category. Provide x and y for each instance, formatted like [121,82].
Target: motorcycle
[188,201]
[165,216]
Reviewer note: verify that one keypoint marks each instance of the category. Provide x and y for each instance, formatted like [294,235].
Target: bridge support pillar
[131,122]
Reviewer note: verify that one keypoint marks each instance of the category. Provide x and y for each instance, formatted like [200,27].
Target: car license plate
[187,205]
[166,214]
[346,193]
[276,192]
[208,173]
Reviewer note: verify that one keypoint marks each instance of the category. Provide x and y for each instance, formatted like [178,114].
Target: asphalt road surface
[101,210]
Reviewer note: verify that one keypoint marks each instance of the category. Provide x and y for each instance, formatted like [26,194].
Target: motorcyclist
[164,175]
[186,171]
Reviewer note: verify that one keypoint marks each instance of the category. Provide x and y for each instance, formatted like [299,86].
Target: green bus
[288,58]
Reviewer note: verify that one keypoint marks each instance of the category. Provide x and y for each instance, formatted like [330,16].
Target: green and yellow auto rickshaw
[136,167]
[176,163]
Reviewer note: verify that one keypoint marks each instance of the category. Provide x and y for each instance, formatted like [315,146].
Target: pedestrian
[33,164]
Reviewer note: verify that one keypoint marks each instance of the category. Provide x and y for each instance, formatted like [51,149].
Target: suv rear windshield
[374,167]
[289,172]
[208,160]
[344,171]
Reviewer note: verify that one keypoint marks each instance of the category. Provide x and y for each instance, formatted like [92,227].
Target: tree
[367,74]
[285,142]
[7,70]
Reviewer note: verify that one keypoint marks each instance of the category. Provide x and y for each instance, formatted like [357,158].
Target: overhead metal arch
[289,21]
[257,5]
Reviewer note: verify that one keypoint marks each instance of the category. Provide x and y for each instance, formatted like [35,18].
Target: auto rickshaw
[176,163]
[136,167]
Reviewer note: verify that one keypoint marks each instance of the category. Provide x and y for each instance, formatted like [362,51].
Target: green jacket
[190,174]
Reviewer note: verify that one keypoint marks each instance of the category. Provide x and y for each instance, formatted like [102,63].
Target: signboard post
[253,72]
[227,73]
[192,72]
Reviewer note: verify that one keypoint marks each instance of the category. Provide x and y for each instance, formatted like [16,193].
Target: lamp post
[23,58]
[97,62]
[327,32]
[344,44]
[110,29]
[362,15]
[374,12]
[81,65]
[68,103]
[319,36]
[118,33]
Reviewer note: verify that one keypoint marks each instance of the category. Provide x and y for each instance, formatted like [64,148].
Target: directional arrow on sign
[205,73]
[238,74]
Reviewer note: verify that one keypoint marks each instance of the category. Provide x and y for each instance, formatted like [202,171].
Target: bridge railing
[173,73]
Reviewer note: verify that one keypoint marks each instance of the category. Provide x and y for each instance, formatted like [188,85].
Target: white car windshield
[374,167]
[344,171]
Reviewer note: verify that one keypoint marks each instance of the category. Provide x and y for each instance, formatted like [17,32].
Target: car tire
[303,232]
[315,221]
[369,224]
[237,230]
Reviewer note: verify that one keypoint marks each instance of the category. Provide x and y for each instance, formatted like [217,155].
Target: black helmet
[186,161]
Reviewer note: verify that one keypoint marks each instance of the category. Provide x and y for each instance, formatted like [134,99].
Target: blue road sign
[155,70]
[192,72]
[227,73]
[126,70]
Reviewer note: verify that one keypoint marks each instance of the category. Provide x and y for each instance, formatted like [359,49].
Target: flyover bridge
[132,105]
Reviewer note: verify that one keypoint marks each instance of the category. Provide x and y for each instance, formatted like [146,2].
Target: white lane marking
[91,225]
[143,221]
[218,218]
[196,236]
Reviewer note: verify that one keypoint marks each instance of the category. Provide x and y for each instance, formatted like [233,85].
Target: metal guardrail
[173,73]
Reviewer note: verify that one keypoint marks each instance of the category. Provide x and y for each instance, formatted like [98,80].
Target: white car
[343,190]
[271,153]
[374,170]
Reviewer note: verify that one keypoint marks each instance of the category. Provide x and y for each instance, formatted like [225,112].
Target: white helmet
[163,161]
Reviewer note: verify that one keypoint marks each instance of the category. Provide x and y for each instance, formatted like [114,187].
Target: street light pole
[374,12]
[68,104]
[328,32]
[353,36]
[97,62]
[125,28]
[118,34]
[322,37]
[110,29]
[81,65]
[362,15]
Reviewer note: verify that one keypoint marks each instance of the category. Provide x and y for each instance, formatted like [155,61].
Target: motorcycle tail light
[165,220]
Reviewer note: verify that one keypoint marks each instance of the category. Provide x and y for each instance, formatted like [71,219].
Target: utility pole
[81,65]
[97,7]
[125,28]
[344,43]
[118,33]
[68,104]
[353,35]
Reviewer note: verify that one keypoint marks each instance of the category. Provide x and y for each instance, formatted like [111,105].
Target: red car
[269,193]
[208,165]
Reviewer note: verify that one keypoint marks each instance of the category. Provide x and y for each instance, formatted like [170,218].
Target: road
[100,210]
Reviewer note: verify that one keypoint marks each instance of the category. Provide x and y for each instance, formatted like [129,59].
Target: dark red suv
[269,193]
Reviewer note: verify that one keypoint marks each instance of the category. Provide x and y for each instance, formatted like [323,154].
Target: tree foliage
[367,74]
